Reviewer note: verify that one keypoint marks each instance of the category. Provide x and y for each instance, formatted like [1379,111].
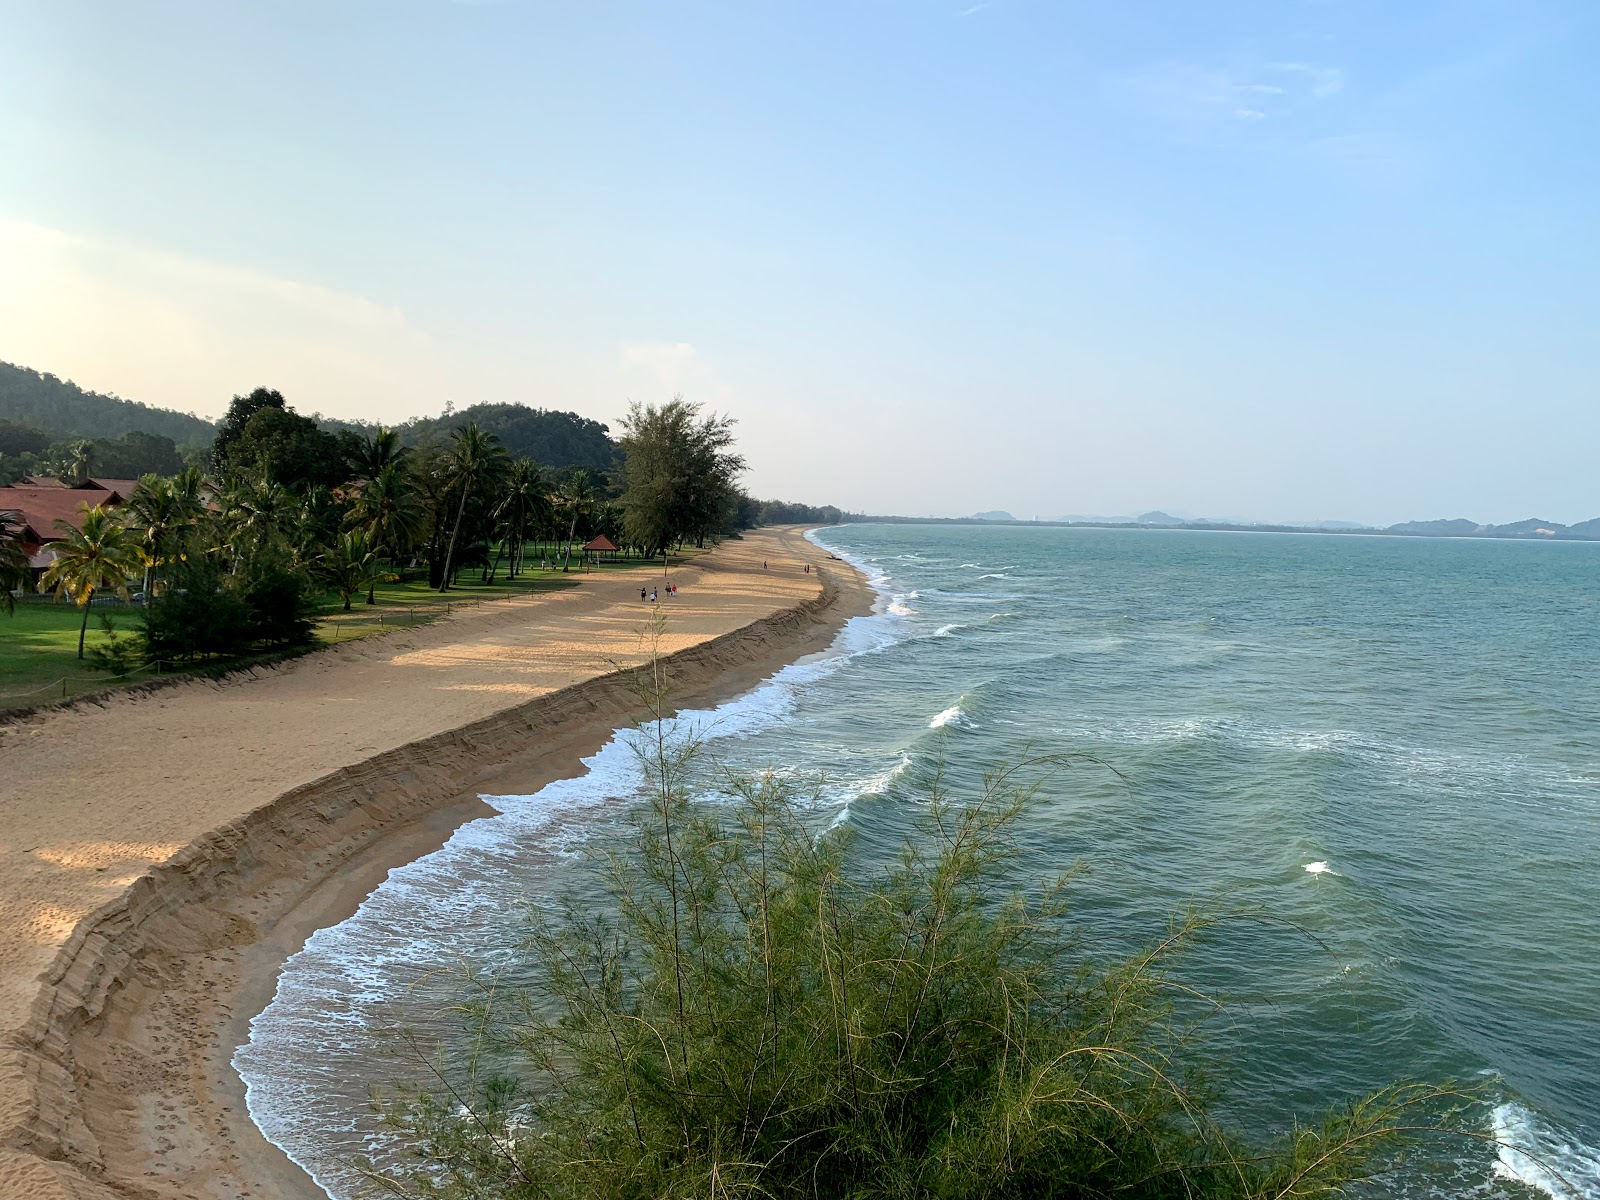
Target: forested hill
[62,409]
[551,438]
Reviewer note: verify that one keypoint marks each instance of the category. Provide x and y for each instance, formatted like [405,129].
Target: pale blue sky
[1279,260]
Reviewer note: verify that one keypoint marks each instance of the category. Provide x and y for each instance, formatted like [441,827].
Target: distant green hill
[62,409]
[553,439]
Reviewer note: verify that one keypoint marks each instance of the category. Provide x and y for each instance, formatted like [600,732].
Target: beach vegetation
[681,473]
[762,1009]
[472,466]
[98,554]
[14,572]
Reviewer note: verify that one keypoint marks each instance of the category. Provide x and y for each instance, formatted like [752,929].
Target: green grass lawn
[39,644]
[39,653]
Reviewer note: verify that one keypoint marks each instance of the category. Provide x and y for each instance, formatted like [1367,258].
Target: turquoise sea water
[1390,743]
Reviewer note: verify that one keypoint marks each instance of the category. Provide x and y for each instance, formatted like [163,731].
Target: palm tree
[13,559]
[387,510]
[382,449]
[156,515]
[100,554]
[574,499]
[351,565]
[474,456]
[523,505]
[81,463]
[255,513]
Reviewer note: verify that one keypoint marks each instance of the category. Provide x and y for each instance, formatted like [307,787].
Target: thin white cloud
[976,8]
[1196,96]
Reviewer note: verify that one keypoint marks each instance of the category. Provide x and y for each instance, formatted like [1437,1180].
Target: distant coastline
[1531,530]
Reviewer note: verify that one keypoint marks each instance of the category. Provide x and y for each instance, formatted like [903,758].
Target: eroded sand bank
[160,855]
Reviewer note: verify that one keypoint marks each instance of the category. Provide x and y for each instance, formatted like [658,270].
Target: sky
[1287,260]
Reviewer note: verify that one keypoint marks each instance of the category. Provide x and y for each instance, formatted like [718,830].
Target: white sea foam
[953,713]
[1534,1154]
[414,920]
[995,575]
[947,630]
[1319,868]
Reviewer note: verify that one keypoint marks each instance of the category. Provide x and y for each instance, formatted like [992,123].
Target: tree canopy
[61,409]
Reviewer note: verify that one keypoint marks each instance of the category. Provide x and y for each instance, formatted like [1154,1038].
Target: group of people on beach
[672,590]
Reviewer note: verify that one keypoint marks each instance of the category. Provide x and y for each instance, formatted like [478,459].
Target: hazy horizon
[1326,258]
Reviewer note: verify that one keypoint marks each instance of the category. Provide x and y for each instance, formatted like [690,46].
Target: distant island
[1531,530]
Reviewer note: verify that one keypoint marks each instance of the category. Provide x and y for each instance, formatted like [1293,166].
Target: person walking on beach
[652,595]
[641,593]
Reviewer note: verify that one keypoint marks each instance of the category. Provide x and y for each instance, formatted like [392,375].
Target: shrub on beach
[761,1015]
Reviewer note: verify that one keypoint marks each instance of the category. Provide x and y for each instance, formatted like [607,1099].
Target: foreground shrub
[762,1015]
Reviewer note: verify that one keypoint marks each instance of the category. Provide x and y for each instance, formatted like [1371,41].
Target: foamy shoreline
[117,1081]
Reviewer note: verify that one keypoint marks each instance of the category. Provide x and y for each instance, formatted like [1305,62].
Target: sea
[1378,757]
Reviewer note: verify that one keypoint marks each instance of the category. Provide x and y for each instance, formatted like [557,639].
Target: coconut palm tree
[351,565]
[382,449]
[81,464]
[14,573]
[574,499]
[255,513]
[99,554]
[389,512]
[523,506]
[156,516]
[475,456]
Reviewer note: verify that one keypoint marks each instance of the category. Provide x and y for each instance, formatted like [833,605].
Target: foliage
[117,653]
[62,410]
[557,440]
[388,510]
[280,606]
[371,455]
[14,573]
[195,616]
[766,1015]
[285,448]
[680,471]
[97,555]
[475,462]
[351,565]
[16,438]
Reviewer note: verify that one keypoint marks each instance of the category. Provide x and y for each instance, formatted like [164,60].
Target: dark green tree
[474,460]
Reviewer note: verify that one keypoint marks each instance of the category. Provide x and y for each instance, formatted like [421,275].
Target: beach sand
[161,854]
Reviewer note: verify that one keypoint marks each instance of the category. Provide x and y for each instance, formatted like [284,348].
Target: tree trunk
[450,551]
[571,533]
[84,628]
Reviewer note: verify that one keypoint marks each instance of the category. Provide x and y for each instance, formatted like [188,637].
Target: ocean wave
[345,975]
[948,716]
[1320,867]
[946,630]
[995,575]
[1543,1158]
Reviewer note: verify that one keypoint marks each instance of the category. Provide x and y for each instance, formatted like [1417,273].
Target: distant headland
[1531,530]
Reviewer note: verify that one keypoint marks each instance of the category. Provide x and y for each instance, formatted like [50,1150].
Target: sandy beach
[161,854]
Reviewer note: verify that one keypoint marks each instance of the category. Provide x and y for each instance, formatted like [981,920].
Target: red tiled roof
[601,543]
[42,507]
[123,487]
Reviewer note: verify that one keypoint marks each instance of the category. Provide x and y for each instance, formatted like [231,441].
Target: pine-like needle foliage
[762,1016]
